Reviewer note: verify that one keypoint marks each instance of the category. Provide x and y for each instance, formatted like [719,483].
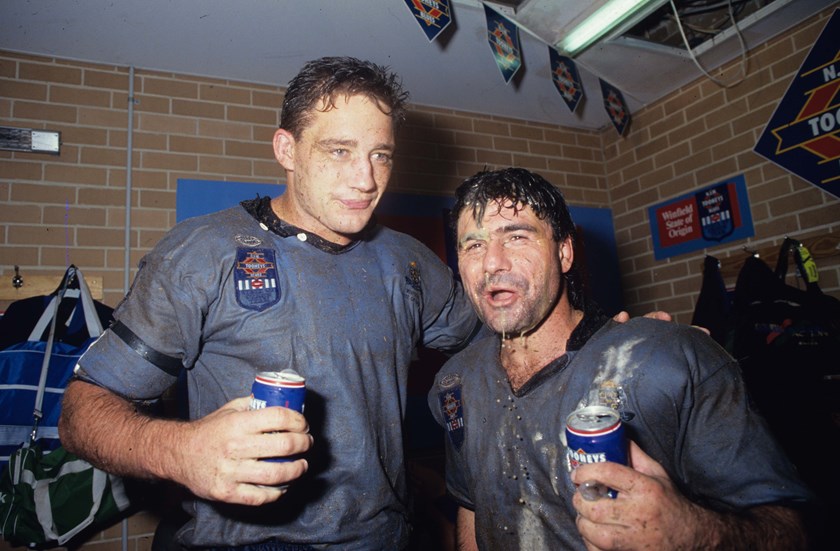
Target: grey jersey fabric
[681,399]
[229,298]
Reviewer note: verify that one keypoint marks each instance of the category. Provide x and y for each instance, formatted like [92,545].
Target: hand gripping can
[278,388]
[594,434]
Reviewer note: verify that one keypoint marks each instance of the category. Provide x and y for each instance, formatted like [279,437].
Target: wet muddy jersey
[679,395]
[237,292]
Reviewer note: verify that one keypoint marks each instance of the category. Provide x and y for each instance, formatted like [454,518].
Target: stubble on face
[510,268]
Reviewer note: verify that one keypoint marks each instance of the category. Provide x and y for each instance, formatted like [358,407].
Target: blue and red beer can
[594,434]
[278,388]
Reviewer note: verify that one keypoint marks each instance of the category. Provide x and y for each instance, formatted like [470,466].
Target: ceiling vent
[698,24]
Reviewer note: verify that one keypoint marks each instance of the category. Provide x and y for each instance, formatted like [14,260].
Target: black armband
[169,364]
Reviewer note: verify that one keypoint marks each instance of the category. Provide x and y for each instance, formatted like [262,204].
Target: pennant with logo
[432,15]
[503,37]
[566,78]
[616,107]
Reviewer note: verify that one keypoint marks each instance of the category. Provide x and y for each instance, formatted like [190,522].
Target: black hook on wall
[17,280]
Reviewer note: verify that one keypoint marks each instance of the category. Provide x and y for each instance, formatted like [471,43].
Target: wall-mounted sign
[803,135]
[708,217]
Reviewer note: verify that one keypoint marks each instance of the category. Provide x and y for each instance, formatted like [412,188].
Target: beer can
[594,434]
[278,388]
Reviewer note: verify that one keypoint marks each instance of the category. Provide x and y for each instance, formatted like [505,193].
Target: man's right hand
[222,455]
[217,457]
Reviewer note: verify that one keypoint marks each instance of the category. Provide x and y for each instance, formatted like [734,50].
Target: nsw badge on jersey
[255,277]
[449,396]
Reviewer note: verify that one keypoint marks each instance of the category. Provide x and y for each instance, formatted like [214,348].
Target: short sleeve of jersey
[451,403]
[457,484]
[164,308]
[448,318]
[693,415]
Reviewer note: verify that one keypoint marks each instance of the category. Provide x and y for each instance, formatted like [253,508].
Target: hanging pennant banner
[616,108]
[803,135]
[566,78]
[432,15]
[503,37]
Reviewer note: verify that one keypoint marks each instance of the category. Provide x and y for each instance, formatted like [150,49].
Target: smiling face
[337,169]
[511,267]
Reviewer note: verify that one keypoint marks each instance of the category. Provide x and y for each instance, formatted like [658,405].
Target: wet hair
[521,188]
[330,78]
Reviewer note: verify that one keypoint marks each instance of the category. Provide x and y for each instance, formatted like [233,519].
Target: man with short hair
[704,471]
[305,281]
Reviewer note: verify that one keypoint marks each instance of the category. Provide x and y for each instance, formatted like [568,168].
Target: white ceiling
[267,41]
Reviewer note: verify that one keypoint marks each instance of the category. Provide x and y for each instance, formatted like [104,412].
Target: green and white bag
[48,496]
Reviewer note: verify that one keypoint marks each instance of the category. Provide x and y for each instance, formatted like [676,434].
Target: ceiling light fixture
[609,17]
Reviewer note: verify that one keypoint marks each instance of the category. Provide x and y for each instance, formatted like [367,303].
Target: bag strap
[782,261]
[94,326]
[94,329]
[37,414]
[73,274]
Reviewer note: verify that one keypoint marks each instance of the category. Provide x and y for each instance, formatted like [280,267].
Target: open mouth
[499,297]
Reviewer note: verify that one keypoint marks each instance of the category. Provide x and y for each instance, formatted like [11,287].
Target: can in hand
[594,434]
[278,388]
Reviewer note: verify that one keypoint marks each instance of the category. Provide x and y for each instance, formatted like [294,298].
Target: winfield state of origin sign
[803,135]
[705,218]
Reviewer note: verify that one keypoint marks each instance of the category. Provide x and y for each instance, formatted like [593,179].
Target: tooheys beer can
[594,434]
[278,388]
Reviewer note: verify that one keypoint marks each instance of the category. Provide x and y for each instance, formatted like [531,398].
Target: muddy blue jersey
[227,295]
[679,395]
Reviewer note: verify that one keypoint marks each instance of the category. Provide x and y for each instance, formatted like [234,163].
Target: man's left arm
[651,513]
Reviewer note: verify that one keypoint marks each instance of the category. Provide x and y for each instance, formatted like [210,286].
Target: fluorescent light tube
[603,20]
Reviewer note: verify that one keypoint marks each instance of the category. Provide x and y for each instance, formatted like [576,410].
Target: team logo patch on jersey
[255,277]
[612,395]
[452,408]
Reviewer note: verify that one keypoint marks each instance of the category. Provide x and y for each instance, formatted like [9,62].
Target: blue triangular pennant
[503,37]
[615,106]
[432,15]
[566,78]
